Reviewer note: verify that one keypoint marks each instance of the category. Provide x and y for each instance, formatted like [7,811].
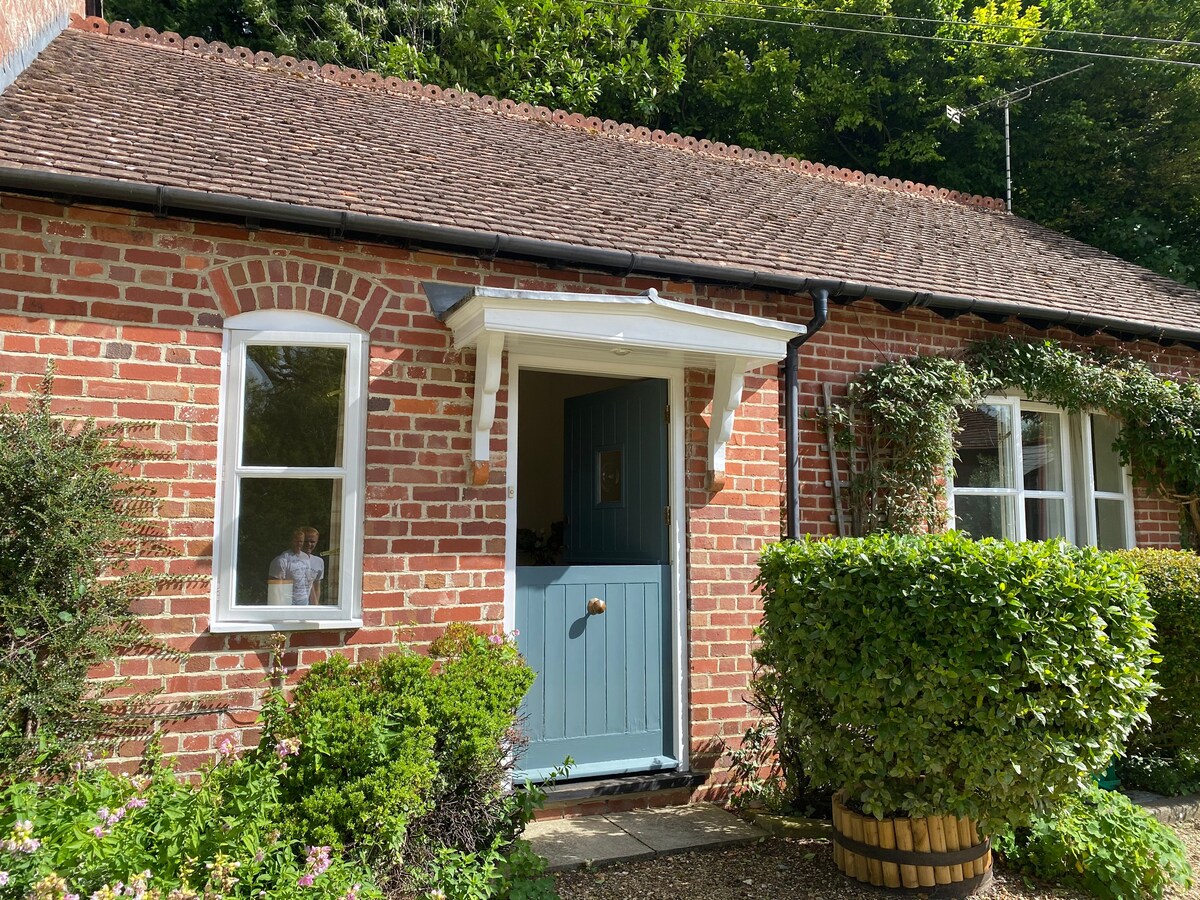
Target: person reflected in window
[302,566]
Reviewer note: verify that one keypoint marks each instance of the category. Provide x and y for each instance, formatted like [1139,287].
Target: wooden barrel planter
[939,856]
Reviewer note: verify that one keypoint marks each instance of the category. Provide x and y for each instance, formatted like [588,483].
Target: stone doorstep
[638,834]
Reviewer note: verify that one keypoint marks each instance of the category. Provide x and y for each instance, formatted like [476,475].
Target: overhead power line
[1155,60]
[1036,29]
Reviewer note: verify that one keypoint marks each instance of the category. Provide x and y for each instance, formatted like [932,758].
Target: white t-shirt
[304,570]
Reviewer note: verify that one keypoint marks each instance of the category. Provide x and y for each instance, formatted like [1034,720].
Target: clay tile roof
[134,105]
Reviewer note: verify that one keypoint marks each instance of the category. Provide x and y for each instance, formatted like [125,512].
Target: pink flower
[98,831]
[226,748]
[136,803]
[496,638]
[3,879]
[306,880]
[287,747]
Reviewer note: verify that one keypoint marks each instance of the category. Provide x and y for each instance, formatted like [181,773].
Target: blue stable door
[598,630]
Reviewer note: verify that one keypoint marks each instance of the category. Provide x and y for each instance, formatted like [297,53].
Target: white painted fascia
[641,321]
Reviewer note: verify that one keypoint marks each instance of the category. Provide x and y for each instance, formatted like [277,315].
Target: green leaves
[73,520]
[1100,841]
[912,679]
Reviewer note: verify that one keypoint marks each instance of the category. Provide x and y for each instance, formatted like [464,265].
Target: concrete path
[642,833]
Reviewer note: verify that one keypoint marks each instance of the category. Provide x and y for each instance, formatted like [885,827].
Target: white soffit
[638,328]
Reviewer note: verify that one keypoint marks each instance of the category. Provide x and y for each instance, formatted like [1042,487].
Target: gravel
[781,869]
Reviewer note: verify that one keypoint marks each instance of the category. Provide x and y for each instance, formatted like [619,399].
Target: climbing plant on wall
[898,421]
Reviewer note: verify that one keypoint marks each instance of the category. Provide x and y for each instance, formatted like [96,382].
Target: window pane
[295,399]
[1041,452]
[984,448]
[1045,519]
[1106,464]
[277,561]
[983,516]
[1110,525]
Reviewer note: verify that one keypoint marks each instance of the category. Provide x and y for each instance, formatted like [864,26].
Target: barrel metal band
[913,857]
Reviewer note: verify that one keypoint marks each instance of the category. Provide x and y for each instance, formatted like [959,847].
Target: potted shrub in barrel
[945,686]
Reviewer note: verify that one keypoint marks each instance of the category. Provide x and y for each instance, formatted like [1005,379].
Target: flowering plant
[153,836]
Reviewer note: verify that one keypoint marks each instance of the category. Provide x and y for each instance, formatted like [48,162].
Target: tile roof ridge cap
[624,130]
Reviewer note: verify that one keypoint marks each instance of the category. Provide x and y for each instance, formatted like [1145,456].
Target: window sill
[285,625]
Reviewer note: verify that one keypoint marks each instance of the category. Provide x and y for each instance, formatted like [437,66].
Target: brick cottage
[423,357]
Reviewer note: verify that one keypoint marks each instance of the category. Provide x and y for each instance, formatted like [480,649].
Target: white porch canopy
[635,328]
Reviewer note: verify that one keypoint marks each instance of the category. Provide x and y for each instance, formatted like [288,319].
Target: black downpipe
[791,377]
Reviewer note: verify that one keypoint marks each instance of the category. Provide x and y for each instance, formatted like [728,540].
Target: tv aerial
[1005,102]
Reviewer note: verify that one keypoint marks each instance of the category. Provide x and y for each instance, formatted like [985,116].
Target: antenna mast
[1005,102]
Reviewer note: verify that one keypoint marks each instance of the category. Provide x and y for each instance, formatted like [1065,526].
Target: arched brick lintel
[269,282]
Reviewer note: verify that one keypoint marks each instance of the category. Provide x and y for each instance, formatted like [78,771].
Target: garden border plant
[74,519]
[897,423]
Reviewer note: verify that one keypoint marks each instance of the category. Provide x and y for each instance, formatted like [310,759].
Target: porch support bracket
[488,353]
[727,397]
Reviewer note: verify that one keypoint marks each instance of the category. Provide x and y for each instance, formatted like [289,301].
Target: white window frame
[1079,493]
[289,328]
[1091,495]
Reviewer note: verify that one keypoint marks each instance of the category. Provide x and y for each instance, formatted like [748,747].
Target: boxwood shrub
[933,673]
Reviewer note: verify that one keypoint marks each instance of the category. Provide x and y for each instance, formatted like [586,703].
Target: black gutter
[791,376]
[162,198]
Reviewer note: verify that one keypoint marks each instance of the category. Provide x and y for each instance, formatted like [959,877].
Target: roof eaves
[162,198]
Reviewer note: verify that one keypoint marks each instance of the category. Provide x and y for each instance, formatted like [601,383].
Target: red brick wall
[131,308]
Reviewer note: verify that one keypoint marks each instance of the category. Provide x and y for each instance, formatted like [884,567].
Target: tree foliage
[1107,155]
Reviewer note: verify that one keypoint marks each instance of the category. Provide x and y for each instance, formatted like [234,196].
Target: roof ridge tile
[468,99]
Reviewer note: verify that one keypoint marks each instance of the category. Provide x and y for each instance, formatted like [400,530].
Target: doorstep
[600,796]
[638,834]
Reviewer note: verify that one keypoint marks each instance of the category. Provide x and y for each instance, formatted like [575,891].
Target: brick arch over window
[275,283]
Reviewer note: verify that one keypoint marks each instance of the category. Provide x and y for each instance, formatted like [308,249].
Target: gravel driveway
[777,869]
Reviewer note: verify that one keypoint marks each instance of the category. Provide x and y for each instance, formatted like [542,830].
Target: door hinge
[667,413]
[666,515]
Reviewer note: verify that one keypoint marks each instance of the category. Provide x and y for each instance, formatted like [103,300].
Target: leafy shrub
[1173,776]
[1099,841]
[1172,580]
[405,758]
[768,772]
[933,673]
[71,518]
[155,837]
[366,764]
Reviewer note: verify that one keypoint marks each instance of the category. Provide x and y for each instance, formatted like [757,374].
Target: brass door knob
[596,606]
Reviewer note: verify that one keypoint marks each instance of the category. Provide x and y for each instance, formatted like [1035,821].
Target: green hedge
[1172,580]
[934,673]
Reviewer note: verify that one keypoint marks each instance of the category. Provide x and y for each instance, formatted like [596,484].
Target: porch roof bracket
[727,397]
[488,353]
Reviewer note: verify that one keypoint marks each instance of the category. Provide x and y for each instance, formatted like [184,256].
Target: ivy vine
[898,421]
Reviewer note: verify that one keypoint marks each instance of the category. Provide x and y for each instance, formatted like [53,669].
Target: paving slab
[616,837]
[1168,810]
[670,828]
[582,841]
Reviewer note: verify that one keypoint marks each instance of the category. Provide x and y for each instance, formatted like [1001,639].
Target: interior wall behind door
[540,441]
